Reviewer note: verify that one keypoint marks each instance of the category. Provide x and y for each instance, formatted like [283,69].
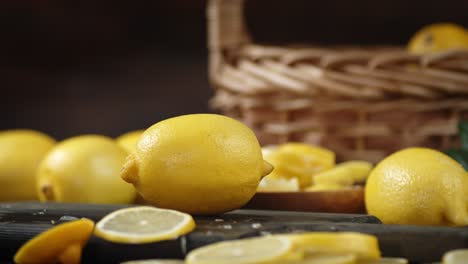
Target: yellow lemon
[439,37]
[199,164]
[84,169]
[129,140]
[301,161]
[21,151]
[60,244]
[418,186]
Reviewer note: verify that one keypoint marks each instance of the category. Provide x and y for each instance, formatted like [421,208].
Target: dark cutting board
[21,221]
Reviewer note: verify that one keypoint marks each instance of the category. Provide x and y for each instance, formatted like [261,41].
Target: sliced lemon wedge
[346,173]
[326,187]
[363,246]
[268,249]
[62,243]
[143,224]
[458,256]
[271,184]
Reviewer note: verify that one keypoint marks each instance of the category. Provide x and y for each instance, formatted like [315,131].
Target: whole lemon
[21,151]
[199,164]
[84,169]
[129,140]
[439,37]
[418,186]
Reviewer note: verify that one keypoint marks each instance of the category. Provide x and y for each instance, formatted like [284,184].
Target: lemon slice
[143,224]
[301,161]
[364,246]
[346,173]
[387,261]
[269,249]
[268,150]
[326,259]
[155,261]
[458,256]
[62,243]
[326,187]
[270,184]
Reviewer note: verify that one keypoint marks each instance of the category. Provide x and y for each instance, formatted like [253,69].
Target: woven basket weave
[363,103]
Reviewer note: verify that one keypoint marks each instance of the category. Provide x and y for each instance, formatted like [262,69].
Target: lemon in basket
[21,151]
[129,140]
[199,164]
[84,169]
[439,37]
[418,186]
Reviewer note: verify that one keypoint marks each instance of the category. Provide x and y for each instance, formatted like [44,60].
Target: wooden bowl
[339,201]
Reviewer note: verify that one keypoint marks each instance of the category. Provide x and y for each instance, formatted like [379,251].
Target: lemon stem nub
[129,171]
[267,168]
[48,192]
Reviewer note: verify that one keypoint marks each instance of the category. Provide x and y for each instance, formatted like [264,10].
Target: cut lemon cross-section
[269,249]
[363,246]
[458,256]
[143,224]
[325,259]
[62,243]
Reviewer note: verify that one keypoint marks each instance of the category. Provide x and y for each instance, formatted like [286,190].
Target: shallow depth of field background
[107,67]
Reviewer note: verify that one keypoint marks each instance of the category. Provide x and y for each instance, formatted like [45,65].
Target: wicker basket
[363,103]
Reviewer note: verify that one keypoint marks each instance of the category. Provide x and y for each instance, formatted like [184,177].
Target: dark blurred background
[74,67]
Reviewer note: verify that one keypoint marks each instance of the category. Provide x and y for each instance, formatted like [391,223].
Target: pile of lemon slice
[303,167]
[135,225]
[305,248]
